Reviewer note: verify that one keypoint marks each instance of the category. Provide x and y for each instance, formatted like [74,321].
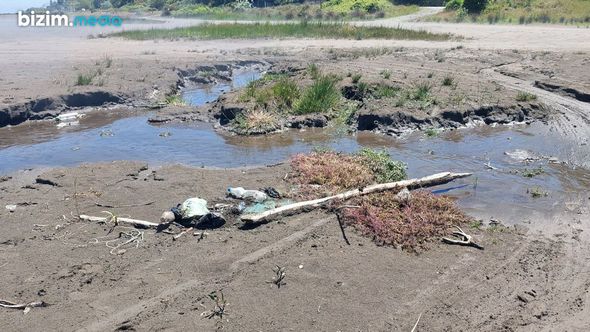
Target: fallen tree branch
[427,181]
[134,222]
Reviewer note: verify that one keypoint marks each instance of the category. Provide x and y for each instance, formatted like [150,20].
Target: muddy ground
[519,282]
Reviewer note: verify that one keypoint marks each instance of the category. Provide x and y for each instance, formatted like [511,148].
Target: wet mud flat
[520,281]
[516,281]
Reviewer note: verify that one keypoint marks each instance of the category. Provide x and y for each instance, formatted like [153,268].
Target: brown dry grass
[333,171]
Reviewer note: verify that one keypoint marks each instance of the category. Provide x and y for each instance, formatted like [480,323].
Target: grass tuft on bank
[282,30]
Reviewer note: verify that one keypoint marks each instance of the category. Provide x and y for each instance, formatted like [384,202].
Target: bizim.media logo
[61,20]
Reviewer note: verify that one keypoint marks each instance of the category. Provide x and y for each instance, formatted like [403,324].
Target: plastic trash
[11,207]
[272,192]
[241,193]
[194,207]
[265,206]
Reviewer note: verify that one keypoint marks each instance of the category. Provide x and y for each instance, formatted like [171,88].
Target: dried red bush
[410,224]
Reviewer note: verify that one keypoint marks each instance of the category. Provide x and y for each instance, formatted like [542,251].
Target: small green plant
[476,224]
[448,80]
[108,61]
[385,91]
[531,173]
[383,167]
[85,79]
[525,96]
[386,74]
[219,308]
[345,113]
[321,96]
[431,132]
[175,100]
[537,192]
[421,91]
[313,71]
[251,90]
[356,78]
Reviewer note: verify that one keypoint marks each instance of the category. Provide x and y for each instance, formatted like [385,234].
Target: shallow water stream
[496,181]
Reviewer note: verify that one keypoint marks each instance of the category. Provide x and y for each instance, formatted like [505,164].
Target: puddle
[466,150]
[205,94]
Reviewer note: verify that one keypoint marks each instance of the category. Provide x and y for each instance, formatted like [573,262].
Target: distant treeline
[176,4]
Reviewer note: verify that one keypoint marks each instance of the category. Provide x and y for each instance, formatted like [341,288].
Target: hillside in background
[516,11]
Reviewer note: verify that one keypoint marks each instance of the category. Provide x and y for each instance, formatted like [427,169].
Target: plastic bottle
[253,195]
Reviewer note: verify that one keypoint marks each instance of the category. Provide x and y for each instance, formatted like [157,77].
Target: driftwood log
[427,181]
[134,222]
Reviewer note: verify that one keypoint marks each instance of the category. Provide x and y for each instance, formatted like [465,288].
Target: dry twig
[25,306]
[462,238]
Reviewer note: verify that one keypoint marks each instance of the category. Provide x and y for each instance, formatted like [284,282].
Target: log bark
[134,222]
[427,181]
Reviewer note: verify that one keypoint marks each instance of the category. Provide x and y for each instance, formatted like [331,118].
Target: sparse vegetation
[281,30]
[448,80]
[385,91]
[531,173]
[537,192]
[525,96]
[356,78]
[386,74]
[431,132]
[175,100]
[85,79]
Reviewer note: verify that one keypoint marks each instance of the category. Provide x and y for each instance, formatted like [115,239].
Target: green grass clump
[321,96]
[286,92]
[356,78]
[448,80]
[537,192]
[383,91]
[525,96]
[431,132]
[383,167]
[281,30]
[421,92]
[85,79]
[531,173]
[386,74]
[313,70]
[175,100]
